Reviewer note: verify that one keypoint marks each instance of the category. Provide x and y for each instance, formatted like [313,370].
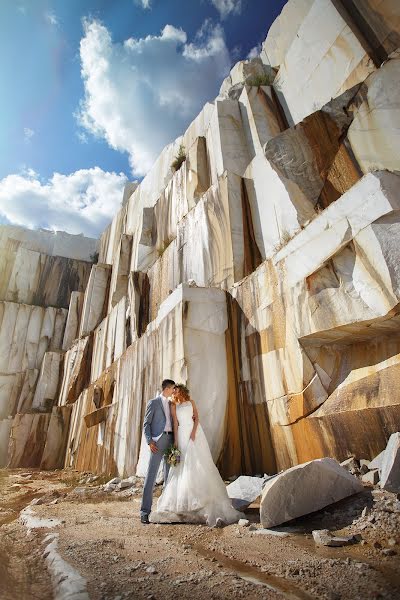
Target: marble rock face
[311,158]
[26,333]
[250,72]
[47,385]
[190,323]
[292,493]
[283,31]
[5,428]
[95,297]
[27,439]
[56,438]
[73,319]
[76,370]
[29,277]
[374,134]
[324,60]
[52,243]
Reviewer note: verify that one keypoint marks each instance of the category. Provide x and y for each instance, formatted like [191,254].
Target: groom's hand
[153,447]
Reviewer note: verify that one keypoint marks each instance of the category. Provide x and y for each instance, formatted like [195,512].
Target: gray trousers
[154,464]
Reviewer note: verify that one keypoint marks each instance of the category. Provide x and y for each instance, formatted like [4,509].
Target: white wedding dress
[194,492]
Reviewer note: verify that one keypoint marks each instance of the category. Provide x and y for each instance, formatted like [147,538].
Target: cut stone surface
[244,490]
[390,471]
[292,493]
[374,133]
[95,298]
[53,243]
[324,59]
[371,477]
[73,319]
[376,463]
[283,31]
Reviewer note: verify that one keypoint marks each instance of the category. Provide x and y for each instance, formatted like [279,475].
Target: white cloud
[82,137]
[28,134]
[82,202]
[141,94]
[227,7]
[51,18]
[254,52]
[143,3]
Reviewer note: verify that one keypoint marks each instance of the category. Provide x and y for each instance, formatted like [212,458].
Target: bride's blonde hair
[184,395]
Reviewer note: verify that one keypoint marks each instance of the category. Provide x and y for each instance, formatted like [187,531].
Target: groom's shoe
[144,519]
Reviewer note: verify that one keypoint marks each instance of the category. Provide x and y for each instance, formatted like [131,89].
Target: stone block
[376,463]
[56,438]
[374,134]
[53,243]
[390,470]
[245,490]
[292,493]
[139,298]
[27,440]
[109,340]
[252,72]
[311,159]
[47,385]
[283,31]
[76,370]
[96,296]
[120,271]
[371,477]
[324,60]
[197,171]
[73,319]
[26,333]
[5,428]
[336,226]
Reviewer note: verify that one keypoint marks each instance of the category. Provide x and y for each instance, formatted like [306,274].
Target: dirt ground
[100,535]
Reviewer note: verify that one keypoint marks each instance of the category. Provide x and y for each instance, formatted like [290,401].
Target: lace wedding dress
[194,492]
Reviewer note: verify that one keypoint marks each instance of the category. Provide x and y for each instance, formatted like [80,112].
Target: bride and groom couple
[193,489]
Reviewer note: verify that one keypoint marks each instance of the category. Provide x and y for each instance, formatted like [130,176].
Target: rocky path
[100,538]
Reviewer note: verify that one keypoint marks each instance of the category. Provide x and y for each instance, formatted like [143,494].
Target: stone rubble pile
[268,261]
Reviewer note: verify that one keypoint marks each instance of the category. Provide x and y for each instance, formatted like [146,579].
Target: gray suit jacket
[154,419]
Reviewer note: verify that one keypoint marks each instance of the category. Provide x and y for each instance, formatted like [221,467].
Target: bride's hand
[193,436]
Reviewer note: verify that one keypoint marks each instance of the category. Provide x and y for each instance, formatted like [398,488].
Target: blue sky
[92,90]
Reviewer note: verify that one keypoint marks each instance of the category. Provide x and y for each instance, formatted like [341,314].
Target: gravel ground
[100,535]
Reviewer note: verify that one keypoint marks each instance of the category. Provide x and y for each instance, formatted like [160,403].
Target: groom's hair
[167,383]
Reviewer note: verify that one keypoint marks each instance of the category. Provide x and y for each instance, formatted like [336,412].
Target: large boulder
[305,489]
[390,471]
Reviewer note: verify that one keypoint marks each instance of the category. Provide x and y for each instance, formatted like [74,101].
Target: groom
[158,431]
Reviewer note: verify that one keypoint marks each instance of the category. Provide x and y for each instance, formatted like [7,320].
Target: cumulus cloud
[82,202]
[28,134]
[51,18]
[227,7]
[254,52]
[142,93]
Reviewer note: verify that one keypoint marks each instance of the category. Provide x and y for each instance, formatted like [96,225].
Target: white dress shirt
[167,411]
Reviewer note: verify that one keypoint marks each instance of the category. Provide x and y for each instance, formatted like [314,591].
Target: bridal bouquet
[172,456]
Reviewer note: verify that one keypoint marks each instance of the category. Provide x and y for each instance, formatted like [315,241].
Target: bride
[194,491]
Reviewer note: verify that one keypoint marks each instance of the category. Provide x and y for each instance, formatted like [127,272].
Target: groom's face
[168,391]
